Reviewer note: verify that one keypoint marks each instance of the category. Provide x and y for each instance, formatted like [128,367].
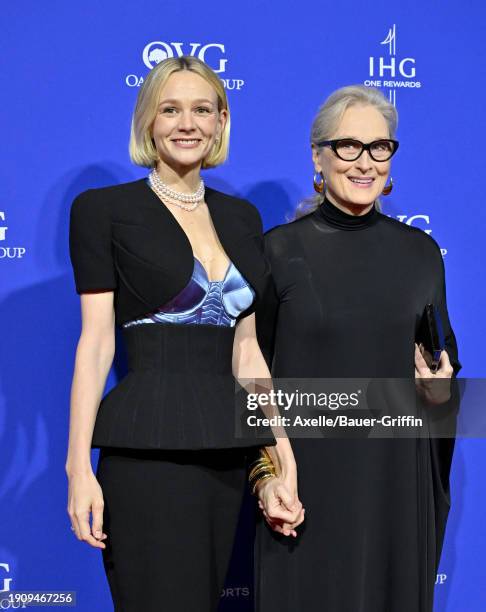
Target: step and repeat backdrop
[71,72]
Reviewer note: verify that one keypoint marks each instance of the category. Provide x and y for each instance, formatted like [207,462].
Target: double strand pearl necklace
[187,201]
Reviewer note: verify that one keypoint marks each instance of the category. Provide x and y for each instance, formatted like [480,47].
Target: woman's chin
[363,197]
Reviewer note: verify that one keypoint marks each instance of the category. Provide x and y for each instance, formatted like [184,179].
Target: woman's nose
[364,161]
[186,121]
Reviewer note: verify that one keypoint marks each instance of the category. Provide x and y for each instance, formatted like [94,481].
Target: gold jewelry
[319,185]
[262,469]
[264,460]
[259,482]
[388,188]
[254,484]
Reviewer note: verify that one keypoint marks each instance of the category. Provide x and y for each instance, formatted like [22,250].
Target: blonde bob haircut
[142,148]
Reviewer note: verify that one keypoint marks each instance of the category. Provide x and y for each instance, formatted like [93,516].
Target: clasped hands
[277,496]
[280,504]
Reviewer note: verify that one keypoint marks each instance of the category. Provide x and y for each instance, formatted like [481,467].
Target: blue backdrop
[71,74]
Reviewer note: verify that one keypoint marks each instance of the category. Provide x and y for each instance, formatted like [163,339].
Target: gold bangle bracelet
[257,482]
[263,460]
[261,473]
[262,469]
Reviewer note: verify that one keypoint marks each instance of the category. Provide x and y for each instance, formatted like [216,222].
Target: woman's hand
[435,388]
[85,496]
[282,509]
[277,495]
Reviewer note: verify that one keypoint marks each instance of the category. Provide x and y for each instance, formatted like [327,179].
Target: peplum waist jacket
[179,391]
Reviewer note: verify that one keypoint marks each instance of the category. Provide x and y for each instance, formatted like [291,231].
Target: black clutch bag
[430,337]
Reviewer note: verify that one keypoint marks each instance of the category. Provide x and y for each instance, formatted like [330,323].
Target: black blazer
[123,238]
[179,392]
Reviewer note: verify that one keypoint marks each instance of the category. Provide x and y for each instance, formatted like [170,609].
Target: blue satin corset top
[205,302]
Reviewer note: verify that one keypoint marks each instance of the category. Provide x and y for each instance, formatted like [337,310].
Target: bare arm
[94,356]
[248,363]
[278,496]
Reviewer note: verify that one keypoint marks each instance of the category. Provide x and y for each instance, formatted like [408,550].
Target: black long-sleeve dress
[347,295]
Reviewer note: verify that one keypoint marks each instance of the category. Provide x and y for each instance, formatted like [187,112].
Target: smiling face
[187,122]
[358,183]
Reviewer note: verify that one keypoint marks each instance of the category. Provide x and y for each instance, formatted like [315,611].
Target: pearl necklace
[186,201]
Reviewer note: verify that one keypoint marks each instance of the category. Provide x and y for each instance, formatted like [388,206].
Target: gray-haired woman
[349,287]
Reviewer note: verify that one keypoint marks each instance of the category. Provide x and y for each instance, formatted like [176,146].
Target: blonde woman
[179,267]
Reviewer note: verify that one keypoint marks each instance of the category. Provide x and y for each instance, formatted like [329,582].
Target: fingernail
[97,534]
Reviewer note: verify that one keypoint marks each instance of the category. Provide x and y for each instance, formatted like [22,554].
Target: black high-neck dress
[347,295]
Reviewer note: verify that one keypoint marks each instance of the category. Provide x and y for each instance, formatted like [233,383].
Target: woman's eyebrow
[359,139]
[174,101]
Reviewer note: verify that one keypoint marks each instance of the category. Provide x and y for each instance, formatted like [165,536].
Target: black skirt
[170,517]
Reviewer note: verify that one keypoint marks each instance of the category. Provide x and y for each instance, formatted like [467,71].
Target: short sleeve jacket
[124,239]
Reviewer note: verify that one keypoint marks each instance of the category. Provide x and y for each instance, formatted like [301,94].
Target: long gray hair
[329,117]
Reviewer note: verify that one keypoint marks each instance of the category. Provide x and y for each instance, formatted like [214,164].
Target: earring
[319,185]
[388,188]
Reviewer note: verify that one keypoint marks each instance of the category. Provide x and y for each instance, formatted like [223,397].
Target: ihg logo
[393,67]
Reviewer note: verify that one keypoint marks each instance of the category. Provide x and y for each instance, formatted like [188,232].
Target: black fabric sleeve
[90,246]
[443,417]
[267,310]
[450,338]
[254,219]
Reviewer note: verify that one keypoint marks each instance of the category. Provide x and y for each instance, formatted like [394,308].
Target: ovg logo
[392,71]
[157,51]
[213,54]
